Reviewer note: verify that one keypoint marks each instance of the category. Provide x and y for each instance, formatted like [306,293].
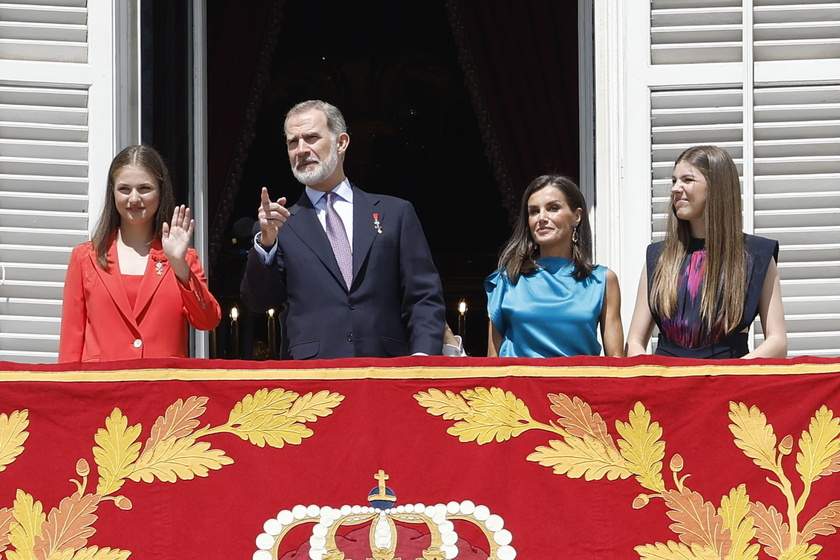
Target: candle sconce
[462,317]
[272,335]
[234,333]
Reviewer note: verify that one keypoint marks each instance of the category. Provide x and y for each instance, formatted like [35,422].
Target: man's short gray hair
[335,120]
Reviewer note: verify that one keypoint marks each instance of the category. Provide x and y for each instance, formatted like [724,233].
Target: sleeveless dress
[685,334]
[549,313]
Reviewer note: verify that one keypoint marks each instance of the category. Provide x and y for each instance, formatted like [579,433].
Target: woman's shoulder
[83,249]
[609,274]
[652,253]
[495,278]
[761,246]
[655,248]
[601,272]
[760,251]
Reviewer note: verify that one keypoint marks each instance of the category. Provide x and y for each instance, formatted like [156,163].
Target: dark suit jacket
[394,306]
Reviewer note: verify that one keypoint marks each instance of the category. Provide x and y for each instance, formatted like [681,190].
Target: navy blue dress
[685,334]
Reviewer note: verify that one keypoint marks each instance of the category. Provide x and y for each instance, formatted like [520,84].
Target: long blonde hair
[724,284]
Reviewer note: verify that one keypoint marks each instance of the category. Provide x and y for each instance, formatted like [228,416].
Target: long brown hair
[519,255]
[724,285]
[109,221]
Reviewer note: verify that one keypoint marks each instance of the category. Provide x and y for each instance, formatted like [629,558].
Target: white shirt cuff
[267,257]
[454,351]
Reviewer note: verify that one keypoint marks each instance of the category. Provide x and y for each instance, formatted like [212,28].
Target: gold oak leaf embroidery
[577,418]
[117,449]
[449,405]
[68,526]
[825,522]
[276,401]
[734,510]
[28,518]
[642,448]
[753,435]
[587,450]
[484,414]
[309,407]
[675,551]
[12,436]
[582,457]
[696,521]
[771,529]
[819,447]
[274,431]
[6,518]
[262,418]
[801,552]
[178,458]
[96,553]
[274,418]
[180,419]
[172,452]
[496,414]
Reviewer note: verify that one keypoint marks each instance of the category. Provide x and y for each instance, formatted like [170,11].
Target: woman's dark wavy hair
[109,221]
[519,256]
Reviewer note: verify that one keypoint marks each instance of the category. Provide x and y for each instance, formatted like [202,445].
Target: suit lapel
[112,279]
[304,222]
[157,268]
[364,207]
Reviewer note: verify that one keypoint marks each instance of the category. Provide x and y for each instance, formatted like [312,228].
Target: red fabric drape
[525,57]
[591,459]
[240,43]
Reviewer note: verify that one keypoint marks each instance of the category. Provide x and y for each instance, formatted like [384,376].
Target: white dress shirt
[343,205]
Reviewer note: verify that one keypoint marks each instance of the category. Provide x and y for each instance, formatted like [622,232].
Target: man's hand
[272,216]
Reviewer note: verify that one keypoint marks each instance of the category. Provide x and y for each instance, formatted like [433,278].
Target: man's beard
[319,172]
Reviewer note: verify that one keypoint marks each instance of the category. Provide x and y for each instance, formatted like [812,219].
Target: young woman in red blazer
[131,290]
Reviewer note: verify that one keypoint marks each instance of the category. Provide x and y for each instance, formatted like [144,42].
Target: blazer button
[350,337]
[352,307]
[138,343]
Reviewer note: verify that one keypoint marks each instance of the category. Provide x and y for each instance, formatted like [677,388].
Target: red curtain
[520,61]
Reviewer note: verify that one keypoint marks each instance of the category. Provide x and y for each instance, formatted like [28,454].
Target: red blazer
[99,324]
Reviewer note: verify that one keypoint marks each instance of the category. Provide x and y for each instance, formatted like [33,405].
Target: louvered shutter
[46,111]
[775,106]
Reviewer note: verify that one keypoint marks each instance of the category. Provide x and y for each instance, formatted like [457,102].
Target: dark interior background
[454,105]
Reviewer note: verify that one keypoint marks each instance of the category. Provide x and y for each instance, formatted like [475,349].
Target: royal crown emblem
[430,529]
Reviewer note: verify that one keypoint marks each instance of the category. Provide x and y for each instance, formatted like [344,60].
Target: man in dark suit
[353,269]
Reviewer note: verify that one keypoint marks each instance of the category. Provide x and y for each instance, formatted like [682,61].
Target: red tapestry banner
[421,458]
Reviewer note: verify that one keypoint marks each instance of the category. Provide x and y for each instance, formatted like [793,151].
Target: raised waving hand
[175,238]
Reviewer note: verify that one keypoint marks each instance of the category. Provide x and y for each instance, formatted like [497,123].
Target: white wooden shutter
[50,95]
[761,79]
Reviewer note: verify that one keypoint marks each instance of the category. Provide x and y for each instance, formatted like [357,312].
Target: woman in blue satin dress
[547,299]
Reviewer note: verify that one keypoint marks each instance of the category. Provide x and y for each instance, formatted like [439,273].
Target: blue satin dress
[549,313]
